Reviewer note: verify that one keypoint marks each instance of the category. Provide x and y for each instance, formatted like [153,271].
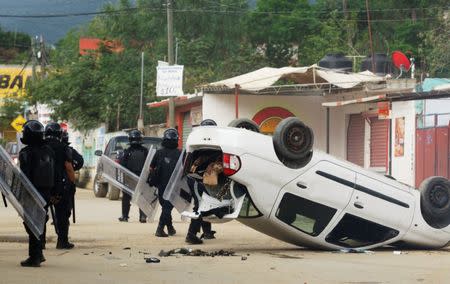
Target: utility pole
[140,125]
[370,36]
[171,59]
[33,58]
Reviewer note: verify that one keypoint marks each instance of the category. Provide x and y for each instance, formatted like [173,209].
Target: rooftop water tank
[383,64]
[336,61]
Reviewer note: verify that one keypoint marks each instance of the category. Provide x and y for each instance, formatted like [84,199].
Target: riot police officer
[64,176]
[77,164]
[37,162]
[133,159]
[161,168]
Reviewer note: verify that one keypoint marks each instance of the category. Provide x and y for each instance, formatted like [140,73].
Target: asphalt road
[108,251]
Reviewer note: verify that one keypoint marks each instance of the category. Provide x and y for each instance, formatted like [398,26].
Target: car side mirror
[98,153]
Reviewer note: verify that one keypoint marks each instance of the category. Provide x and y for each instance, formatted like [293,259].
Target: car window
[156,142]
[353,231]
[248,209]
[305,215]
[122,143]
[14,149]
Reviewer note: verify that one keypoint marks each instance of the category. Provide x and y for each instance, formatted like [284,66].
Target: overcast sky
[51,28]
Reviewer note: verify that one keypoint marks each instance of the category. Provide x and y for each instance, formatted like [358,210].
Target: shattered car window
[303,214]
[353,231]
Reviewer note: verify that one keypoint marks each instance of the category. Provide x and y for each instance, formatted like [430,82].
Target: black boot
[64,244]
[208,235]
[171,230]
[31,262]
[160,232]
[193,239]
[123,219]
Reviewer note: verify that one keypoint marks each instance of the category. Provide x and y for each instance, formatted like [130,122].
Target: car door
[314,200]
[382,203]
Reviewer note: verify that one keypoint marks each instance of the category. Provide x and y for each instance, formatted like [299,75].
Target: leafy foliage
[218,39]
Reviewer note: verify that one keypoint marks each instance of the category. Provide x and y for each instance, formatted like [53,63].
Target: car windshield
[122,143]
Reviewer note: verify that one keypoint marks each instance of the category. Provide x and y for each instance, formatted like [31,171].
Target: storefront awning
[266,79]
[393,97]
[179,101]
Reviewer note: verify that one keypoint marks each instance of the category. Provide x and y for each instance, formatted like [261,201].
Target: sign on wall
[399,147]
[169,80]
[196,115]
[13,80]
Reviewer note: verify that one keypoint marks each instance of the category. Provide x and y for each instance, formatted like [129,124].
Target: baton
[73,207]
[55,221]
[4,200]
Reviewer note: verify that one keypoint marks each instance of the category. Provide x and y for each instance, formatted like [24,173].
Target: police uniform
[133,159]
[63,207]
[33,134]
[162,167]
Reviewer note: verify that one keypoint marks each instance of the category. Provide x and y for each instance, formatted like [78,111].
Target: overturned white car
[281,187]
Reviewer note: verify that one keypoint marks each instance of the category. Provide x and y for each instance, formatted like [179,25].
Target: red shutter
[355,139]
[379,131]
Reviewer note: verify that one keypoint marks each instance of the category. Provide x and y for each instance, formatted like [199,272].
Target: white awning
[267,76]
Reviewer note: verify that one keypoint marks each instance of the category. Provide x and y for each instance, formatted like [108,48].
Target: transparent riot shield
[177,190]
[118,175]
[146,196]
[21,193]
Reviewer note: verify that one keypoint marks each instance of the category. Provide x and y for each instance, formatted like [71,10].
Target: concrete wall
[309,109]
[221,108]
[403,167]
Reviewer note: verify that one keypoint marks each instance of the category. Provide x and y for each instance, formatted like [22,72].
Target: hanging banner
[169,80]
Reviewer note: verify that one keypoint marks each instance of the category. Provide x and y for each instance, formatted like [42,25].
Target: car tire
[113,192]
[244,123]
[435,201]
[293,142]
[100,188]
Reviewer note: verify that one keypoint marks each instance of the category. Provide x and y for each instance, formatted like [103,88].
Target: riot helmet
[53,130]
[65,137]
[208,122]
[170,138]
[135,137]
[32,132]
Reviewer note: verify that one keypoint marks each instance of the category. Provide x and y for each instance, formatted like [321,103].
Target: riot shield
[118,175]
[21,193]
[177,190]
[146,196]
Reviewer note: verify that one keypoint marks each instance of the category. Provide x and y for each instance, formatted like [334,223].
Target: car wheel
[293,142]
[435,201]
[113,193]
[244,123]
[100,188]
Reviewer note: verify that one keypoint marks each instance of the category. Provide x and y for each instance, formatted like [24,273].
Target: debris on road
[123,265]
[127,248]
[244,258]
[196,252]
[151,260]
[355,251]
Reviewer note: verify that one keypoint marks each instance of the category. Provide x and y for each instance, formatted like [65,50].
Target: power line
[237,11]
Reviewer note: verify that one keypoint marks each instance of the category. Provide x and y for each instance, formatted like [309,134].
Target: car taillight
[231,164]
